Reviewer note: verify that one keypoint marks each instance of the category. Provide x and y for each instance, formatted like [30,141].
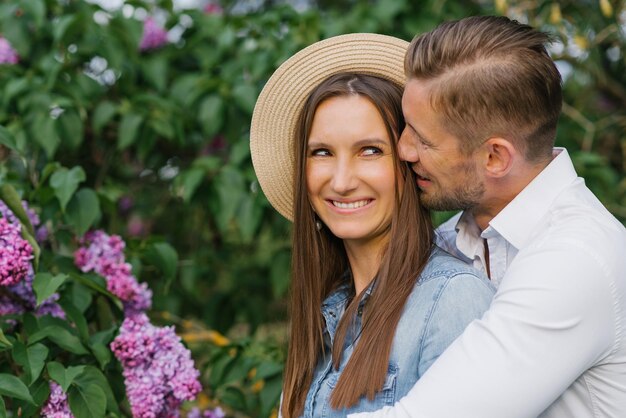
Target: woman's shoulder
[444,266]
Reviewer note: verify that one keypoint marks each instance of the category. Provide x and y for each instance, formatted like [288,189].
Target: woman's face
[350,169]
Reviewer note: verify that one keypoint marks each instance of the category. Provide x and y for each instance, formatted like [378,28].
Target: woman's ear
[499,156]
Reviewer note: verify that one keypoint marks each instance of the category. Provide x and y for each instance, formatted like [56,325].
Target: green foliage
[153,145]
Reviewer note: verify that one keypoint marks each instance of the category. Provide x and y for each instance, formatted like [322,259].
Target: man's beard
[464,196]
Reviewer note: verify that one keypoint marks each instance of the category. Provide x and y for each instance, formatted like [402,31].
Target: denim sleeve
[462,298]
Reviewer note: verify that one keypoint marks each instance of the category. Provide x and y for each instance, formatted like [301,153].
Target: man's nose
[407,148]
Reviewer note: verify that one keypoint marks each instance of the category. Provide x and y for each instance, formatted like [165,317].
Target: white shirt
[553,342]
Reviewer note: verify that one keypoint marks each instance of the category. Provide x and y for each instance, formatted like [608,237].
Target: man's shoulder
[577,214]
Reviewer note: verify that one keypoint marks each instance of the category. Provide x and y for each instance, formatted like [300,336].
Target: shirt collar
[520,217]
[468,235]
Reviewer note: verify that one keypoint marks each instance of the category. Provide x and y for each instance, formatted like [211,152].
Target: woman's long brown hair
[319,261]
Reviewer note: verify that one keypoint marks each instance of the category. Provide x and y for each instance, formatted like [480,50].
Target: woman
[373,302]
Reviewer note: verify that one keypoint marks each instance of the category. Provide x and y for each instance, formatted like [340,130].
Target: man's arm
[551,319]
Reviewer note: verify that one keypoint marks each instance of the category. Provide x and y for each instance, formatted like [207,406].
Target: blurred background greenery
[162,134]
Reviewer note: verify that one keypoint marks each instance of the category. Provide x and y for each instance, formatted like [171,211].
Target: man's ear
[499,156]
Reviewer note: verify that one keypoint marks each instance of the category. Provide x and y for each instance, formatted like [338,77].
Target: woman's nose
[344,177]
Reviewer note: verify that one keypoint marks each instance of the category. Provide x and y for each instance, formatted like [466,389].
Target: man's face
[447,178]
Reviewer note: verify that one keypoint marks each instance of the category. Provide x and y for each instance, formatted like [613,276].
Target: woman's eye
[320,152]
[372,151]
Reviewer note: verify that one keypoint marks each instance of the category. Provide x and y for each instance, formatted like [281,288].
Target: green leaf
[129,127]
[91,281]
[60,27]
[31,358]
[44,133]
[211,115]
[3,408]
[245,96]
[280,272]
[230,185]
[101,353]
[83,210]
[34,245]
[16,31]
[13,387]
[189,181]
[63,376]
[45,285]
[61,337]
[37,9]
[70,129]
[94,377]
[7,139]
[249,216]
[75,315]
[165,258]
[13,88]
[234,397]
[270,395]
[102,115]
[10,197]
[155,70]
[40,391]
[87,401]
[65,182]
[5,344]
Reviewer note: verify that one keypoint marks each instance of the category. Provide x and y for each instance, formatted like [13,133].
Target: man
[482,103]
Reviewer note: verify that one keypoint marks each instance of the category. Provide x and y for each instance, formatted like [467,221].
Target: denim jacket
[446,298]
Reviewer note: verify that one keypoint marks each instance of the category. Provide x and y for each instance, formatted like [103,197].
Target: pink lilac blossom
[104,254]
[159,373]
[8,55]
[213,9]
[154,36]
[208,413]
[56,406]
[15,253]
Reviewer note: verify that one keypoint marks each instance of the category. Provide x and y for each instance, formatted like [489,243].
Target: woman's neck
[364,259]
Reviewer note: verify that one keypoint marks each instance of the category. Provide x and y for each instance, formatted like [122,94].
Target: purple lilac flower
[154,36]
[125,204]
[208,413]
[104,254]
[159,373]
[20,298]
[8,55]
[56,406]
[41,232]
[15,253]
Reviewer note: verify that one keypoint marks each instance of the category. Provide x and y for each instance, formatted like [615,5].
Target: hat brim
[274,119]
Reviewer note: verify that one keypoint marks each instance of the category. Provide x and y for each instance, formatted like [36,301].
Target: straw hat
[277,109]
